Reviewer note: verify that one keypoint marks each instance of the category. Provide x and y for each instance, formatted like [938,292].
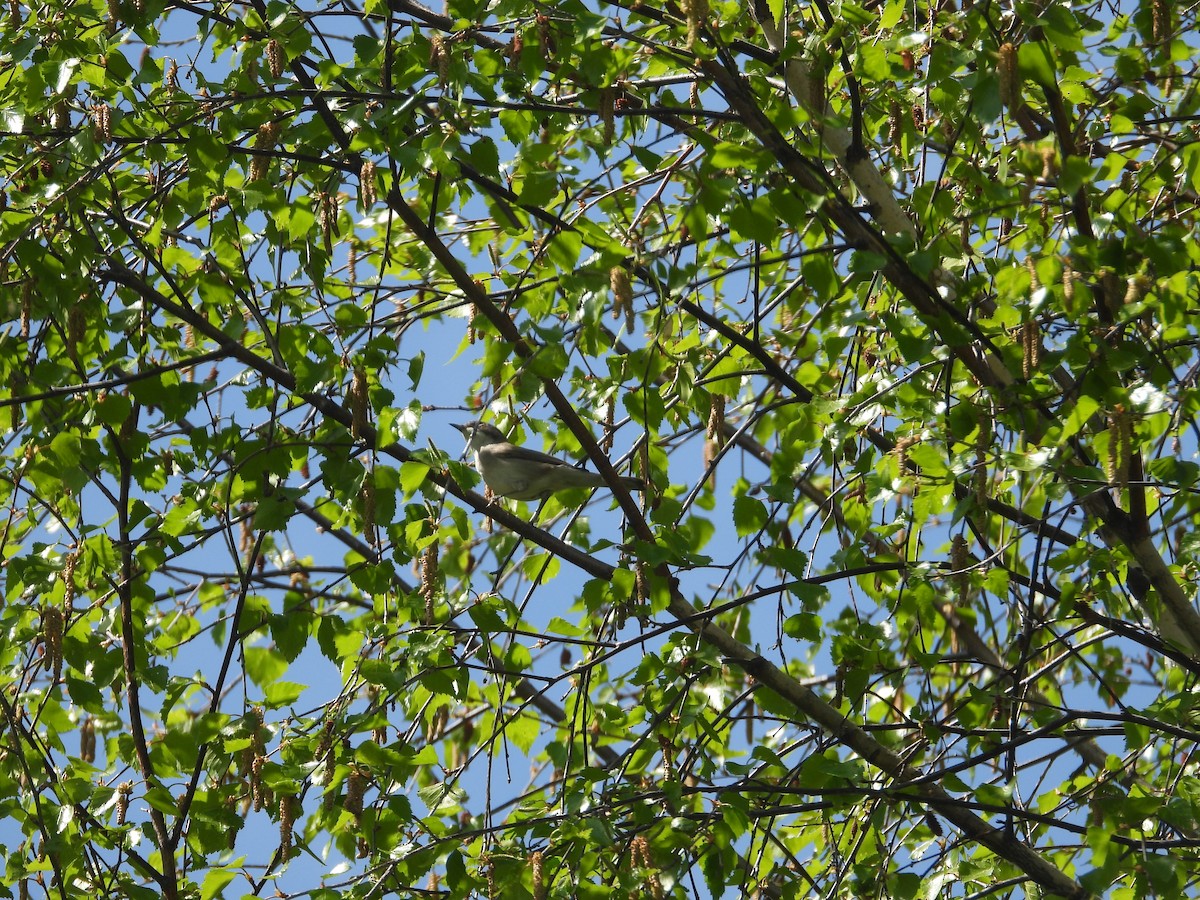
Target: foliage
[903,303]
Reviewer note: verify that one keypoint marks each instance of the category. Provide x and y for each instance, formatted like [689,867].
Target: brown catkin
[267,135]
[26,305]
[668,757]
[359,418]
[1031,266]
[1031,347]
[275,58]
[959,562]
[610,413]
[639,853]
[437,725]
[489,497]
[1161,22]
[712,436]
[356,787]
[1049,164]
[287,819]
[251,71]
[918,118]
[1136,288]
[245,533]
[124,793]
[979,477]
[1010,79]
[622,290]
[77,328]
[439,59]
[257,789]
[102,122]
[52,640]
[328,207]
[536,865]
[546,35]
[1120,441]
[429,578]
[264,139]
[901,451]
[605,112]
[818,97]
[68,579]
[367,495]
[87,740]
[258,717]
[367,193]
[697,16]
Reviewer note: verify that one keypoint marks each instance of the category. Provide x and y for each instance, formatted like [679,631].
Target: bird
[523,474]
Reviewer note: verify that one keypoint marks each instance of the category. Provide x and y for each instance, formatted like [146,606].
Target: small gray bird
[524,474]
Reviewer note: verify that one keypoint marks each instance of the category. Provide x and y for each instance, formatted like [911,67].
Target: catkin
[87,740]
[1120,442]
[287,819]
[52,640]
[1010,80]
[275,58]
[536,865]
[359,422]
[1031,347]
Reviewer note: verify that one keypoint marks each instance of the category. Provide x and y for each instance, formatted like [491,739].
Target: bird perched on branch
[524,474]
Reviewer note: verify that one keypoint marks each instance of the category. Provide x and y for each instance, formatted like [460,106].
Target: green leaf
[264,665]
[803,627]
[749,515]
[216,880]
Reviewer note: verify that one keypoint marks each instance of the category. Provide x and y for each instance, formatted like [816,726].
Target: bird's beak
[465,429]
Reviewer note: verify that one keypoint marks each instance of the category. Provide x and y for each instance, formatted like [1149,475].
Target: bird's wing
[528,455]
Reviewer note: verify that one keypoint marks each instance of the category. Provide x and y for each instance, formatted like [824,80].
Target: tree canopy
[892,304]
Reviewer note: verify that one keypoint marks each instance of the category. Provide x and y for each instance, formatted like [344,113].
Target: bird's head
[480,434]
